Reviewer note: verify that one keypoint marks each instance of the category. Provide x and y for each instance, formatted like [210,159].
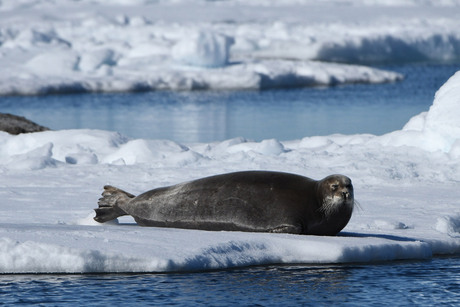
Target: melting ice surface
[406,181]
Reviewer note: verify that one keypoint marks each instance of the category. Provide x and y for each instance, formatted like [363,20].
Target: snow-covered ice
[92,46]
[406,182]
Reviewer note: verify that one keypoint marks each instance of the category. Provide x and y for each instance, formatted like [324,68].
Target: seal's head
[336,192]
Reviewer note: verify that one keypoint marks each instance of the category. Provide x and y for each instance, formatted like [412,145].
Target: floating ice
[51,180]
[406,182]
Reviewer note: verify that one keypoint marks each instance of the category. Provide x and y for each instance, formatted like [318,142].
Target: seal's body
[258,201]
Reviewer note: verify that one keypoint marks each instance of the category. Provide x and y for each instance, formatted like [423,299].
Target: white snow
[406,182]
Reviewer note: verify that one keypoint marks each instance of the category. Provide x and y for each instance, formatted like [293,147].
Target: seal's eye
[334,187]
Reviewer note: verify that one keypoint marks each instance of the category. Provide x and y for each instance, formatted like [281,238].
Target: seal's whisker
[357,205]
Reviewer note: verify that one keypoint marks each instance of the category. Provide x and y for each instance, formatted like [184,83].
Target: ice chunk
[449,224]
[203,49]
[435,130]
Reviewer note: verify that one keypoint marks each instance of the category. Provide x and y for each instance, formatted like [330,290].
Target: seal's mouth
[336,202]
[340,200]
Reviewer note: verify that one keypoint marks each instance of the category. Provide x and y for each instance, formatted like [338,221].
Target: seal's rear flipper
[110,202]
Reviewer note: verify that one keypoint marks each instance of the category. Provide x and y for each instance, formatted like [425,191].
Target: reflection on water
[261,285]
[214,116]
[433,282]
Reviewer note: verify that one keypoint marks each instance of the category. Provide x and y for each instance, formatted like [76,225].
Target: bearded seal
[255,201]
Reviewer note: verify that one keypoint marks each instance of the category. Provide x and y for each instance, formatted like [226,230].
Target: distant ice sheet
[92,46]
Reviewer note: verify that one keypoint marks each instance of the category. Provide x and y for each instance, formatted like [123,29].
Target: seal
[14,124]
[255,201]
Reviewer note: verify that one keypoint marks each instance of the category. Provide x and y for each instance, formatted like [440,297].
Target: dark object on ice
[17,124]
[257,201]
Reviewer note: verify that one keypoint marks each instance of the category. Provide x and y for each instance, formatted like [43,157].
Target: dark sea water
[213,116]
[188,117]
[424,283]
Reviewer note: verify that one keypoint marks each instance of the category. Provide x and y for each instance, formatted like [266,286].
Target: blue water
[214,116]
[429,283]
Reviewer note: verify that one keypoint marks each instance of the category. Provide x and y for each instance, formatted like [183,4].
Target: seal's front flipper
[111,203]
